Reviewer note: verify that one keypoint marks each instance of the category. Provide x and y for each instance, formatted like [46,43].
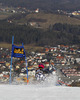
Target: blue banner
[18,51]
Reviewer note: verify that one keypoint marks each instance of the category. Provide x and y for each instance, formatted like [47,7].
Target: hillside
[43,20]
[56,34]
[47,19]
[50,29]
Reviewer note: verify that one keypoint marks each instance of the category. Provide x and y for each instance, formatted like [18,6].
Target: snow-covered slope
[44,91]
[30,92]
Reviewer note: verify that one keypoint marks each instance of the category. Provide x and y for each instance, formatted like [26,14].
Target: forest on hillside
[54,35]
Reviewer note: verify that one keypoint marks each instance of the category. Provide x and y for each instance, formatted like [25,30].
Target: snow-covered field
[44,91]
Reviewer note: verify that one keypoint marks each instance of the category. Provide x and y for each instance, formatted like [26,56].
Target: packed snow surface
[44,91]
[26,92]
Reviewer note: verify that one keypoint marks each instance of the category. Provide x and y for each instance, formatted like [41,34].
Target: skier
[39,72]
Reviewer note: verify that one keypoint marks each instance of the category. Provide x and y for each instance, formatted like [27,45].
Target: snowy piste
[33,92]
[46,90]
